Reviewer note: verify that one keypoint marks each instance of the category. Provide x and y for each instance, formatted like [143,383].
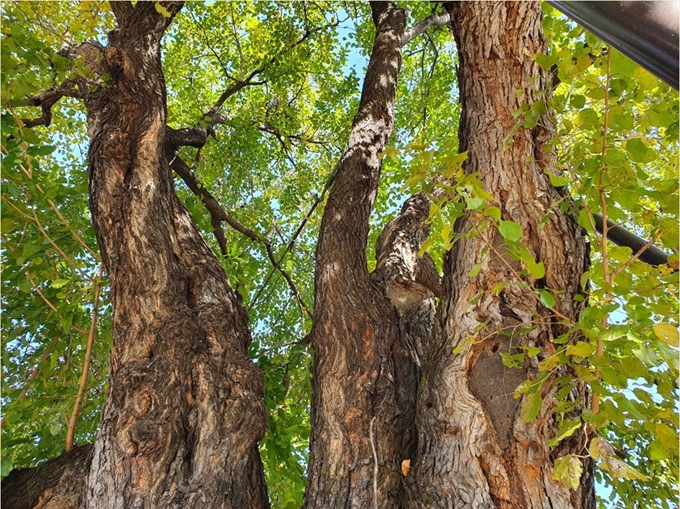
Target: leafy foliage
[617,140]
[269,161]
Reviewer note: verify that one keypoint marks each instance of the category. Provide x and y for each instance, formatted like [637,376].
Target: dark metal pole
[622,237]
[647,32]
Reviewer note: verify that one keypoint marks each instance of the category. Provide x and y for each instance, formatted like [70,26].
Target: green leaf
[532,351]
[536,270]
[531,406]
[545,61]
[621,65]
[637,151]
[567,428]
[510,230]
[528,386]
[646,355]
[475,270]
[6,467]
[658,451]
[577,101]
[55,428]
[547,298]
[584,373]
[58,283]
[512,361]
[558,180]
[493,212]
[568,470]
[613,332]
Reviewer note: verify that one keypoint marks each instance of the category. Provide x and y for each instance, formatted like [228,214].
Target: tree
[488,387]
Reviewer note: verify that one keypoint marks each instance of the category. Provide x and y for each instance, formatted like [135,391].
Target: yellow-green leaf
[162,10]
[567,429]
[547,364]
[510,230]
[667,333]
[568,470]
[531,406]
[580,349]
[618,468]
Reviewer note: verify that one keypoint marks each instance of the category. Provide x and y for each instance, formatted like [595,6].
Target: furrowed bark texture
[364,374]
[474,450]
[55,484]
[183,414]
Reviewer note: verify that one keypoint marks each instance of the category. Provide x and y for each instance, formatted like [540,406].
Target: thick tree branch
[218,214]
[122,10]
[433,20]
[46,100]
[55,483]
[345,224]
[142,25]
[186,137]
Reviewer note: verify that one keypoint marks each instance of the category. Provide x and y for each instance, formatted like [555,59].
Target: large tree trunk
[365,371]
[474,450]
[183,414]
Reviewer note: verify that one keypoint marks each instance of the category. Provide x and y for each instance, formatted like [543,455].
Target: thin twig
[73,232]
[71,430]
[248,80]
[599,350]
[296,234]
[637,255]
[50,305]
[519,277]
[34,219]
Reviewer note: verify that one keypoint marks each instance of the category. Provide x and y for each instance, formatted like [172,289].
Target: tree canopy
[275,87]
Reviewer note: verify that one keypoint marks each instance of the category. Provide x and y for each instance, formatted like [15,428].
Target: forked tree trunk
[365,371]
[474,450]
[183,413]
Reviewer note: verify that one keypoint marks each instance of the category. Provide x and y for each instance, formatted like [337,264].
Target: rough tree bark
[474,450]
[365,353]
[183,413]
